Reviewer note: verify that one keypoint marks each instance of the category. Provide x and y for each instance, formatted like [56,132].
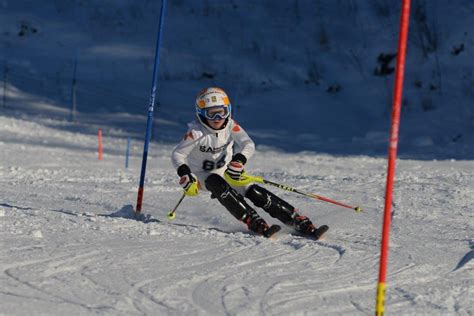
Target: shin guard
[272,204]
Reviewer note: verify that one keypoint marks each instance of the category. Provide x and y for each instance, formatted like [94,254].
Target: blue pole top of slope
[152,104]
[157,57]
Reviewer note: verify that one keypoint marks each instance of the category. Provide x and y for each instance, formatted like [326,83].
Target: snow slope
[60,255]
[301,81]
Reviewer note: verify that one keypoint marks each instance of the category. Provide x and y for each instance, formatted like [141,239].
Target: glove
[235,170]
[189,184]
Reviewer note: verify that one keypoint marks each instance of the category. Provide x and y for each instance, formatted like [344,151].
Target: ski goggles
[216,112]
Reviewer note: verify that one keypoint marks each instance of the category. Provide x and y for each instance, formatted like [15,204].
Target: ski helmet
[211,104]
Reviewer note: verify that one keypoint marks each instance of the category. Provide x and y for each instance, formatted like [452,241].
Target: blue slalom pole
[72,115]
[127,152]
[151,106]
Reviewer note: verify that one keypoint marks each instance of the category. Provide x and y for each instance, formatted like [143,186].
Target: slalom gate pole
[5,71]
[127,152]
[392,154]
[99,138]
[151,106]
[72,115]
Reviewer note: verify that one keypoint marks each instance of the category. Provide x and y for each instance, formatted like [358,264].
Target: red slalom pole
[392,154]
[100,143]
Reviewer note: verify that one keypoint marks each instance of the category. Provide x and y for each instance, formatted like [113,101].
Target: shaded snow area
[68,247]
[299,76]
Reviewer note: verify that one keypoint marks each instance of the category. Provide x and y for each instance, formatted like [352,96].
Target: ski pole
[172,214]
[315,196]
[246,179]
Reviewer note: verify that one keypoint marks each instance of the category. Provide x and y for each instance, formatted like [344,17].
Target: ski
[316,234]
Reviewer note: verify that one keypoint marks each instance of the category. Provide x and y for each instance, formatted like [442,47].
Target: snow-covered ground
[60,256]
[301,81]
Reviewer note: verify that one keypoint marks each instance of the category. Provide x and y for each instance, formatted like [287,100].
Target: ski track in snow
[68,248]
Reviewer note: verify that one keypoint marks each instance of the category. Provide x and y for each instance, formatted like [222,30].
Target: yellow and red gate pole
[392,154]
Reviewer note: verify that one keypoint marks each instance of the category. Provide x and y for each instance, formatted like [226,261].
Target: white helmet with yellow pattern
[212,104]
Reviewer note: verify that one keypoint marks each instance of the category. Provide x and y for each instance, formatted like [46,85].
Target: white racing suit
[207,152]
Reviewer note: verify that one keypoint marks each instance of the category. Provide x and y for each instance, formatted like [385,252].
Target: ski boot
[258,225]
[305,227]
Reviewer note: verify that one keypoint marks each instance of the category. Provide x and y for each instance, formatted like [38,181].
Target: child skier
[205,155]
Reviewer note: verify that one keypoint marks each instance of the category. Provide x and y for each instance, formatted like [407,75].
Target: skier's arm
[179,156]
[235,168]
[245,143]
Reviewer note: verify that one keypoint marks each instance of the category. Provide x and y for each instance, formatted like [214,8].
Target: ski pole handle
[172,214]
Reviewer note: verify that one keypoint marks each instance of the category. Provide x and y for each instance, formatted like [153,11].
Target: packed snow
[69,246]
[301,82]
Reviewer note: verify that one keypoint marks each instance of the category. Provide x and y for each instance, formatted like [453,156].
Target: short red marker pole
[100,143]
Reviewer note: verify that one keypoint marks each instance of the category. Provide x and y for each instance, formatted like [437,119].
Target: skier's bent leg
[272,204]
[235,203]
[279,208]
